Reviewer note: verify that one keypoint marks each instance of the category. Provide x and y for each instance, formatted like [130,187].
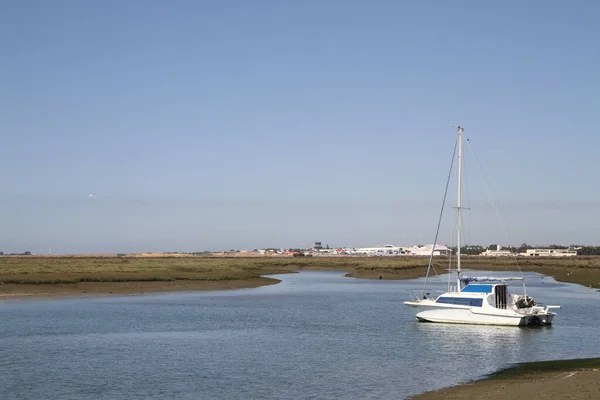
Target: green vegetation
[581,270]
[73,269]
[53,270]
[589,251]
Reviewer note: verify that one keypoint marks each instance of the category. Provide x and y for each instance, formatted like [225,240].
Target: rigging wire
[437,231]
[499,213]
[452,231]
[453,258]
[468,208]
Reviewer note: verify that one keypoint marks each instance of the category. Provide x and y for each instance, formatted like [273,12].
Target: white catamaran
[473,301]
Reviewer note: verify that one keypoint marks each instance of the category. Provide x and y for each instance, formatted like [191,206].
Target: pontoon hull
[469,316]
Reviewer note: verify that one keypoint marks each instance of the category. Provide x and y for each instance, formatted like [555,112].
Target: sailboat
[478,300]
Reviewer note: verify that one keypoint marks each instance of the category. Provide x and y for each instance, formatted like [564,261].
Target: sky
[210,125]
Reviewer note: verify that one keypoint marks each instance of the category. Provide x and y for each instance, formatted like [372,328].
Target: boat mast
[459,207]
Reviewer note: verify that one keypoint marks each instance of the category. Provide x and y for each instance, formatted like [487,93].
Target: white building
[497,252]
[549,253]
[425,250]
[325,252]
[386,250]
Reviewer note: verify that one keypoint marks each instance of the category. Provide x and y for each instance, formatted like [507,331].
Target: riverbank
[32,276]
[561,379]
[23,291]
[27,276]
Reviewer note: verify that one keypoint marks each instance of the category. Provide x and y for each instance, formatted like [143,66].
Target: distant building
[386,250]
[327,252]
[425,250]
[497,252]
[549,253]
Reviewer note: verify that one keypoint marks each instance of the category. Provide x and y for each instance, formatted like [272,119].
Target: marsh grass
[56,269]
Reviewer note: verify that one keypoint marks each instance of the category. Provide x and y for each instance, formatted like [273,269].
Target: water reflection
[315,335]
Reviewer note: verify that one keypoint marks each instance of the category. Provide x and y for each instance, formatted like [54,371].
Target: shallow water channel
[316,335]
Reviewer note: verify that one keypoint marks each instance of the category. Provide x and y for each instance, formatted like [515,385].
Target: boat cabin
[473,295]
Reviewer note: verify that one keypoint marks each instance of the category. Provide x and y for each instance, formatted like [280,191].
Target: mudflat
[562,379]
[29,290]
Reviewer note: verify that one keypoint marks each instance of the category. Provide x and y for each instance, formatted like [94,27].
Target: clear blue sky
[206,125]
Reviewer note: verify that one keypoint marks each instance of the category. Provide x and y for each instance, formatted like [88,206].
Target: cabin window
[462,301]
[501,296]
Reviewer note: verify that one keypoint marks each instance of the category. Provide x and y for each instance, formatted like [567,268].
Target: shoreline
[39,278]
[13,291]
[43,276]
[564,379]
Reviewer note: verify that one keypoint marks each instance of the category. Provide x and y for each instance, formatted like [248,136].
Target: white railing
[418,294]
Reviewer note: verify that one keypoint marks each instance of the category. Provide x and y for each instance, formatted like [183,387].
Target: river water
[316,335]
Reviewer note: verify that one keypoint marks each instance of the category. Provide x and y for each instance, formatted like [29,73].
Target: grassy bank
[580,270]
[31,275]
[196,271]
[561,379]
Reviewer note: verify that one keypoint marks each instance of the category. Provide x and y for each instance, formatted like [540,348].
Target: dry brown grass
[44,270]
[40,270]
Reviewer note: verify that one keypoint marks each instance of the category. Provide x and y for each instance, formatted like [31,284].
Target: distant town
[492,250]
[320,250]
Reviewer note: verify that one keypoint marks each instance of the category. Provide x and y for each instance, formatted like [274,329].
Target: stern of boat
[537,320]
[539,316]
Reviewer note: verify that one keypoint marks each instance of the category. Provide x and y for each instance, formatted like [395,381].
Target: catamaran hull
[467,316]
[476,303]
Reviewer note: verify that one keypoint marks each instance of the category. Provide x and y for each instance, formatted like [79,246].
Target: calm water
[317,335]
